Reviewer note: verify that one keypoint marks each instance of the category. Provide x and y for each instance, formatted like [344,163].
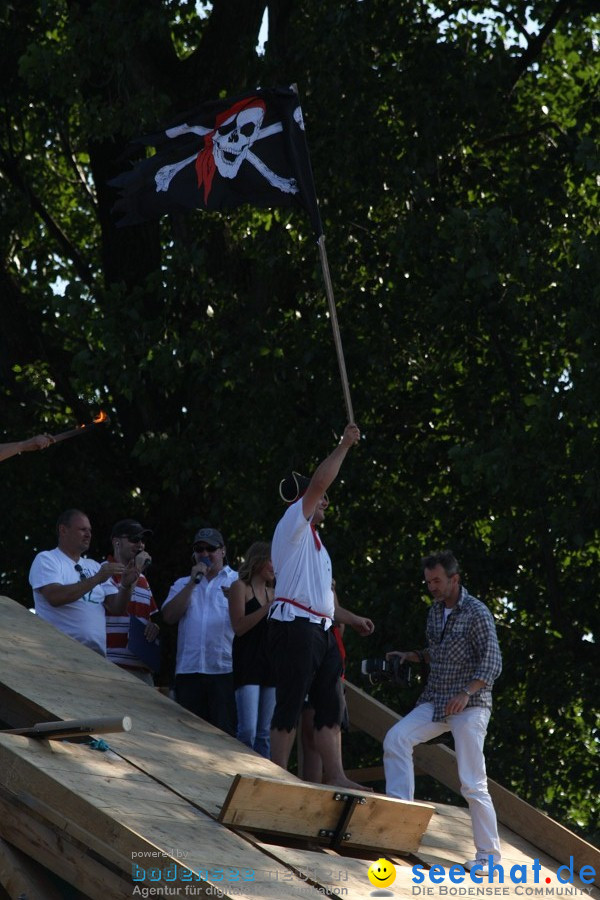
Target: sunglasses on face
[200,548]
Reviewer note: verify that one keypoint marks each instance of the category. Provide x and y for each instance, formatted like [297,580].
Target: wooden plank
[59,853]
[59,731]
[18,709]
[367,713]
[22,876]
[439,762]
[383,824]
[27,775]
[327,871]
[376,823]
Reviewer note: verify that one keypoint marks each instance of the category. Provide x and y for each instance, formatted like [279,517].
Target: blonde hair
[256,556]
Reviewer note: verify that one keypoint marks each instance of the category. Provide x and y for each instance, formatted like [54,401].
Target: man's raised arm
[327,471]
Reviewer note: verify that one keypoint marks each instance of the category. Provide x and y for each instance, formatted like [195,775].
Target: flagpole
[337,338]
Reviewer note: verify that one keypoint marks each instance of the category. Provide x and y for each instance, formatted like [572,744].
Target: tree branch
[74,165]
[11,169]
[536,44]
[513,19]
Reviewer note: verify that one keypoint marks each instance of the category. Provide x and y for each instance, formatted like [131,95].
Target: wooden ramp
[152,802]
[103,826]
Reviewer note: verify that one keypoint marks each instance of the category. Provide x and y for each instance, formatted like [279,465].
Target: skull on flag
[226,146]
[249,149]
[234,137]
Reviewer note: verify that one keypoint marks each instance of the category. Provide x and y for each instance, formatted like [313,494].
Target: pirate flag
[246,149]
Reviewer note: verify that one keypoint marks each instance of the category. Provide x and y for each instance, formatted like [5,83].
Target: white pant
[468,729]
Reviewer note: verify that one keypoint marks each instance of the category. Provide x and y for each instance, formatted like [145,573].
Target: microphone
[206,561]
[146,564]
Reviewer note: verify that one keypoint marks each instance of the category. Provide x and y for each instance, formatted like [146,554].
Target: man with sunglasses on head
[128,539]
[71,591]
[198,605]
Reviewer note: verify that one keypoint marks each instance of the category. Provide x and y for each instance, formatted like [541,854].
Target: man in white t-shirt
[72,592]
[302,646]
[198,604]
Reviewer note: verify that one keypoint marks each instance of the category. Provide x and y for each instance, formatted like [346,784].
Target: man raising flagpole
[302,646]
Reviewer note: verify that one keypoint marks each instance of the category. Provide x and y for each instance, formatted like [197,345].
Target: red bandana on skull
[226,147]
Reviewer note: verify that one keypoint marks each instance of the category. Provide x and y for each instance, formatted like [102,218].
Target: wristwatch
[467,692]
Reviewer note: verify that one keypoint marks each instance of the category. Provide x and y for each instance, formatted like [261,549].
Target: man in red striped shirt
[128,539]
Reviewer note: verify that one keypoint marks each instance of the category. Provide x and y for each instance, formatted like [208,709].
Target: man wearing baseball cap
[302,646]
[198,605]
[128,537]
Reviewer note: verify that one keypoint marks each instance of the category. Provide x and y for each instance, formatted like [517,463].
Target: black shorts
[306,661]
[345,723]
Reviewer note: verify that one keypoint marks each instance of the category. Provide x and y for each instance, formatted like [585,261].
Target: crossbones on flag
[246,149]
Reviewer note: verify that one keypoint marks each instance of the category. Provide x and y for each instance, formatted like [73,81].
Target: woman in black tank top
[249,601]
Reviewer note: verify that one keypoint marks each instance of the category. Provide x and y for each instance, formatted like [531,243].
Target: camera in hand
[392,670]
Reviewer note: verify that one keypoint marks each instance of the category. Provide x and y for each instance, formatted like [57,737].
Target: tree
[454,157]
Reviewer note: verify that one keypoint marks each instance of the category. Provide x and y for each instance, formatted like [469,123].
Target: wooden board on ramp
[327,815]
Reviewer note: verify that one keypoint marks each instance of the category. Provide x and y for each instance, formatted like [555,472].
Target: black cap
[129,528]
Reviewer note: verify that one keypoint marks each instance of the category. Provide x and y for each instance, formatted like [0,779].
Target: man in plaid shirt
[464,658]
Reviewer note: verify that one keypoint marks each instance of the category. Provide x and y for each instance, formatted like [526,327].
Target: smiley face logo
[382,873]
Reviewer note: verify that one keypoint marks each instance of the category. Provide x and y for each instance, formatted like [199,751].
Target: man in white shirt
[198,605]
[72,592]
[303,649]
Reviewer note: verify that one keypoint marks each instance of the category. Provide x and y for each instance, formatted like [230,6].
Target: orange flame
[101,417]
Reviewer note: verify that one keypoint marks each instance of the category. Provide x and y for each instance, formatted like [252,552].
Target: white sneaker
[484,868]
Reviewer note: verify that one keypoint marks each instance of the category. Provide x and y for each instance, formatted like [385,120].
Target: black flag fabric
[246,149]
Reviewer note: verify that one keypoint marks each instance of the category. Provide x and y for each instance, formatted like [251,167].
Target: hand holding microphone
[142,561]
[201,568]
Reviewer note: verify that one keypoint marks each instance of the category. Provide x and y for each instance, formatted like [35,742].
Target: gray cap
[210,536]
